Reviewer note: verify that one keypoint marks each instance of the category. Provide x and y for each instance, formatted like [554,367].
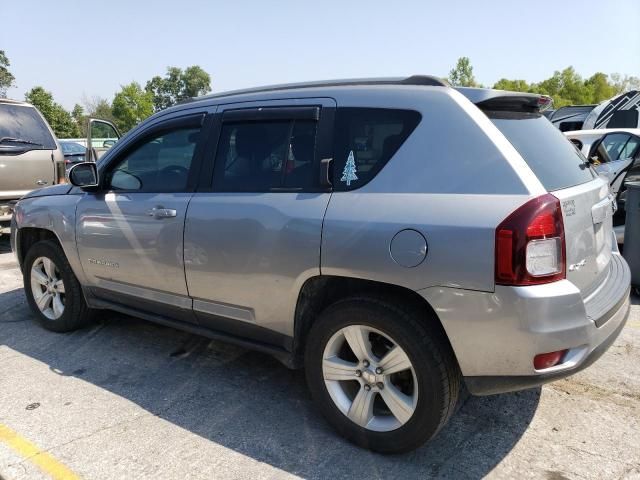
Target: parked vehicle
[73,153]
[622,111]
[30,157]
[344,227]
[571,117]
[614,152]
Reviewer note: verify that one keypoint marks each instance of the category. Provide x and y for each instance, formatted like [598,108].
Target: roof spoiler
[502,100]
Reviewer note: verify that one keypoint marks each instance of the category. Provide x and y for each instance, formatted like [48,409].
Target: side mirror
[108,143]
[84,175]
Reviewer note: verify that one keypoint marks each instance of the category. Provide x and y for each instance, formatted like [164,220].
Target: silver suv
[398,238]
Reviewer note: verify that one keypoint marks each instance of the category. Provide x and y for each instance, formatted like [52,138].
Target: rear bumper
[495,336]
[502,384]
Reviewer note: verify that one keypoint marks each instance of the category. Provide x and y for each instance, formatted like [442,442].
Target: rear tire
[406,404]
[52,289]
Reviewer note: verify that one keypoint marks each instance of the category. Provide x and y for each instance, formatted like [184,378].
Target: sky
[80,49]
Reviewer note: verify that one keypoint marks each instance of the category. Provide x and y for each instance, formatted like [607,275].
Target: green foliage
[131,105]
[566,87]
[80,118]
[60,120]
[512,85]
[178,85]
[462,74]
[6,77]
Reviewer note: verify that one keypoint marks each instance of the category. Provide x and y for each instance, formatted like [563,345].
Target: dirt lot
[128,399]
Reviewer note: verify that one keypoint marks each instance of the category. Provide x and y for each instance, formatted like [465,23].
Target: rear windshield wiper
[19,140]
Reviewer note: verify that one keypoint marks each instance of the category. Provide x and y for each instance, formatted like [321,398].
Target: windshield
[24,123]
[551,156]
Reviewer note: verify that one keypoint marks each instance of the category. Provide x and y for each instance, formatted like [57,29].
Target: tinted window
[259,156]
[631,148]
[553,159]
[614,144]
[17,121]
[365,140]
[160,164]
[72,147]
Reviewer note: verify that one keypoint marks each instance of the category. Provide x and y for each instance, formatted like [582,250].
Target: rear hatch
[26,146]
[587,207]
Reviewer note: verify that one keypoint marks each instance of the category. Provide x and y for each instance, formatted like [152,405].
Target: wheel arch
[318,292]
[26,237]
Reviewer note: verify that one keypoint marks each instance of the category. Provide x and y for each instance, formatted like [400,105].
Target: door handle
[41,182]
[161,212]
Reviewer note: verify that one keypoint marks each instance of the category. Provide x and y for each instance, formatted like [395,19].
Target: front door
[253,232]
[130,232]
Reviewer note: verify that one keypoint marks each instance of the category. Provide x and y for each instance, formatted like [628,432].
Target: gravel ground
[129,399]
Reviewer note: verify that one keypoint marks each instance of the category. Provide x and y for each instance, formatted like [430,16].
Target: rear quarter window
[551,156]
[365,140]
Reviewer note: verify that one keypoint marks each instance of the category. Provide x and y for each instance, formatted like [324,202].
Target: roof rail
[425,80]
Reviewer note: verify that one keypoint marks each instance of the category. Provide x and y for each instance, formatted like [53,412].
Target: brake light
[530,246]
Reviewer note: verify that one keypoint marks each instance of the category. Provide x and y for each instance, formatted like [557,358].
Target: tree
[512,85]
[566,87]
[178,85]
[6,77]
[80,118]
[462,74]
[624,83]
[599,87]
[131,105]
[60,120]
[98,107]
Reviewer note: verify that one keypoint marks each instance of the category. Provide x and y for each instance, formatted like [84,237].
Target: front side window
[160,164]
[612,144]
[261,156]
[365,140]
[631,148]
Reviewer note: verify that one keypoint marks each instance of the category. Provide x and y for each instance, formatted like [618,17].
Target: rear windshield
[552,157]
[24,123]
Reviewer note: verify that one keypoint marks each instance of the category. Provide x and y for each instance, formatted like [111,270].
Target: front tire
[52,289]
[383,378]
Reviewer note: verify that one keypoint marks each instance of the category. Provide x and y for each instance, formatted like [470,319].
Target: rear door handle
[41,182]
[161,212]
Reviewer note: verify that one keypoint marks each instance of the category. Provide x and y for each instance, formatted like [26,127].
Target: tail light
[530,246]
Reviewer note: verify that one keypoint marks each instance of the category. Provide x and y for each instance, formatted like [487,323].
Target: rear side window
[24,123]
[365,140]
[262,156]
[553,159]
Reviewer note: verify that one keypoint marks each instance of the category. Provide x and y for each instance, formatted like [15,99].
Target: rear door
[26,151]
[253,229]
[587,205]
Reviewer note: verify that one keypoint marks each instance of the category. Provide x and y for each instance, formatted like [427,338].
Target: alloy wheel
[370,378]
[47,288]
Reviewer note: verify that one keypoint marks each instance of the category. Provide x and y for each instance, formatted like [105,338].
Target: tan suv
[30,156]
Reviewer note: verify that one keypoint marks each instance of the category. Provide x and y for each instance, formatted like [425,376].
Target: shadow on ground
[250,403]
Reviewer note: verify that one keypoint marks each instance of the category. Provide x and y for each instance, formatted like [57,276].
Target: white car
[614,152]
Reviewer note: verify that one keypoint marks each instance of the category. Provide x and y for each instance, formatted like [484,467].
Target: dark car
[73,153]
